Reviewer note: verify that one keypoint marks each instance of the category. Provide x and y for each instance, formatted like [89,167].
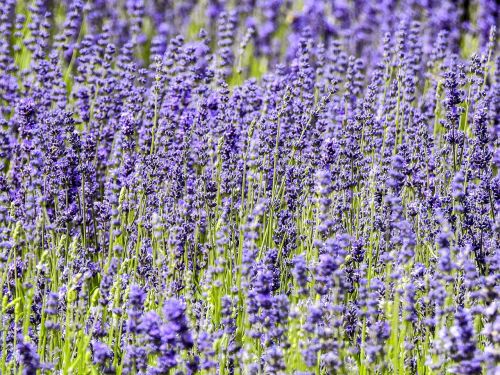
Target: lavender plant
[249,187]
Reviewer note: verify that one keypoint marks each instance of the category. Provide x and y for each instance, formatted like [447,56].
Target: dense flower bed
[249,187]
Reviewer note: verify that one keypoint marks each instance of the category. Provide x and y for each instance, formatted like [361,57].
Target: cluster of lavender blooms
[249,187]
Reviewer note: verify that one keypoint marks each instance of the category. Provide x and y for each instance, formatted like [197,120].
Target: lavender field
[249,187]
